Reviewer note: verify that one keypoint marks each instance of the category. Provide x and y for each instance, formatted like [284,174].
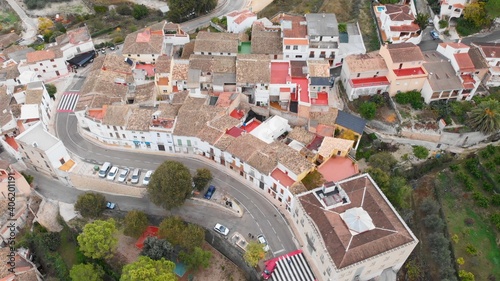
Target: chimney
[459,40]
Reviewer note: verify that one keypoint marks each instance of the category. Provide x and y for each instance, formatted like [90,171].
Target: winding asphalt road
[260,216]
[224,7]
[30,24]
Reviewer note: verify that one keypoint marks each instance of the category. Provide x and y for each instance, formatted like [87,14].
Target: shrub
[124,10]
[487,186]
[491,149]
[466,276]
[342,27]
[495,220]
[100,9]
[28,178]
[434,223]
[420,152]
[460,261]
[139,11]
[471,250]
[51,89]
[497,160]
[490,166]
[368,110]
[480,199]
[413,98]
[495,199]
[443,24]
[454,167]
[466,27]
[455,238]
[429,206]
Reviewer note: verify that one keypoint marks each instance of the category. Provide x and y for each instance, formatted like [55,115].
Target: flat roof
[36,135]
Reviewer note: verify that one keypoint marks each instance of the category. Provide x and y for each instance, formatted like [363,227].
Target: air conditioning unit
[34,144]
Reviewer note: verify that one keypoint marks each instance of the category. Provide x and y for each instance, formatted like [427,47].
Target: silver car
[122,177]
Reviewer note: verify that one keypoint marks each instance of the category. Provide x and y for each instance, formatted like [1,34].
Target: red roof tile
[292,26]
[338,168]
[464,62]
[279,72]
[235,132]
[405,28]
[303,92]
[371,81]
[409,71]
[42,55]
[237,113]
[283,178]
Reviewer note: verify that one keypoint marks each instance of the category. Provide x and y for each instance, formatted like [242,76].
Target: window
[188,142]
[54,66]
[138,55]
[41,64]
[298,56]
[322,258]
[52,60]
[108,127]
[43,71]
[41,155]
[179,142]
[110,134]
[329,271]
[123,135]
[221,54]
[158,135]
[295,47]
[359,74]
[143,139]
[302,222]
[114,128]
[62,161]
[36,69]
[287,47]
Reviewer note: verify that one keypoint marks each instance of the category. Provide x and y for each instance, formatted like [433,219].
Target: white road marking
[277,252]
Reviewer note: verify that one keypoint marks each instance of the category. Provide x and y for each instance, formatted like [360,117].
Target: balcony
[369,82]
[323,45]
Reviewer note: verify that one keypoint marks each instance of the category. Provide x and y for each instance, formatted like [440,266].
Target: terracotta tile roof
[329,144]
[74,36]
[344,247]
[42,55]
[194,116]
[188,50]
[212,64]
[210,134]
[318,68]
[292,26]
[301,135]
[289,157]
[241,16]
[325,118]
[405,52]
[454,45]
[413,27]
[253,69]
[490,50]
[298,69]
[116,115]
[163,64]
[263,162]
[144,41]
[180,70]
[180,97]
[34,96]
[139,119]
[168,111]
[265,41]
[365,62]
[245,146]
[216,42]
[464,62]
[145,93]
[399,12]
[9,72]
[224,142]
[5,113]
[477,58]
[223,123]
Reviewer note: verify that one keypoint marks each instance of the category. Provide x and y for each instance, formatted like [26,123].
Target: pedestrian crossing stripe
[68,102]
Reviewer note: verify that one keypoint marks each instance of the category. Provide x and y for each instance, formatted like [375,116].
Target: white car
[147,177]
[221,229]
[262,240]
[122,177]
[112,174]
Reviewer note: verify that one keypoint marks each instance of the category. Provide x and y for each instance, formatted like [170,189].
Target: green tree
[124,10]
[421,20]
[383,160]
[157,249]
[171,229]
[147,269]
[485,117]
[86,271]
[136,223]
[475,12]
[170,185]
[51,89]
[90,204]
[196,259]
[178,233]
[399,192]
[342,27]
[182,10]
[98,239]
[202,178]
[380,177]
[420,152]
[139,11]
[368,110]
[254,253]
[466,276]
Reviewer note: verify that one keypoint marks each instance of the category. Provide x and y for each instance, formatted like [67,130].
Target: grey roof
[320,81]
[36,134]
[442,76]
[20,55]
[223,78]
[351,122]
[322,25]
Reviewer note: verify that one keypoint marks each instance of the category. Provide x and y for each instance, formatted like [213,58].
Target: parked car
[122,177]
[136,174]
[434,35]
[262,240]
[112,174]
[103,51]
[112,48]
[110,205]
[221,229]
[147,177]
[104,169]
[210,192]
[268,270]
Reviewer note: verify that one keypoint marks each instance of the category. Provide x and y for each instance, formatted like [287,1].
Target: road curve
[260,215]
[30,25]
[224,7]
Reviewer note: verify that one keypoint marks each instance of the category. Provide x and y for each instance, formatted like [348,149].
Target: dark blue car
[210,192]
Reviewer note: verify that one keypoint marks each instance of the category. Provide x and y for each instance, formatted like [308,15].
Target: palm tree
[486,117]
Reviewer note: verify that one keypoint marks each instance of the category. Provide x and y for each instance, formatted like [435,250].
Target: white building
[294,34]
[47,64]
[350,231]
[74,42]
[458,54]
[173,34]
[452,8]
[271,129]
[397,24]
[44,152]
[239,21]
[364,75]
[323,33]
[145,45]
[491,53]
[442,82]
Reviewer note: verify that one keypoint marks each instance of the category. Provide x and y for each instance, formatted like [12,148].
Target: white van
[104,169]
[135,176]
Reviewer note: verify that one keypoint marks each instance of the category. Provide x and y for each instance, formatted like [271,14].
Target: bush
[487,186]
[466,276]
[495,199]
[429,206]
[480,199]
[51,90]
[28,178]
[460,261]
[100,9]
[466,27]
[420,152]
[368,110]
[90,205]
[490,166]
[124,10]
[434,223]
[139,11]
[413,98]
[495,220]
[454,167]
[443,24]
[471,250]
